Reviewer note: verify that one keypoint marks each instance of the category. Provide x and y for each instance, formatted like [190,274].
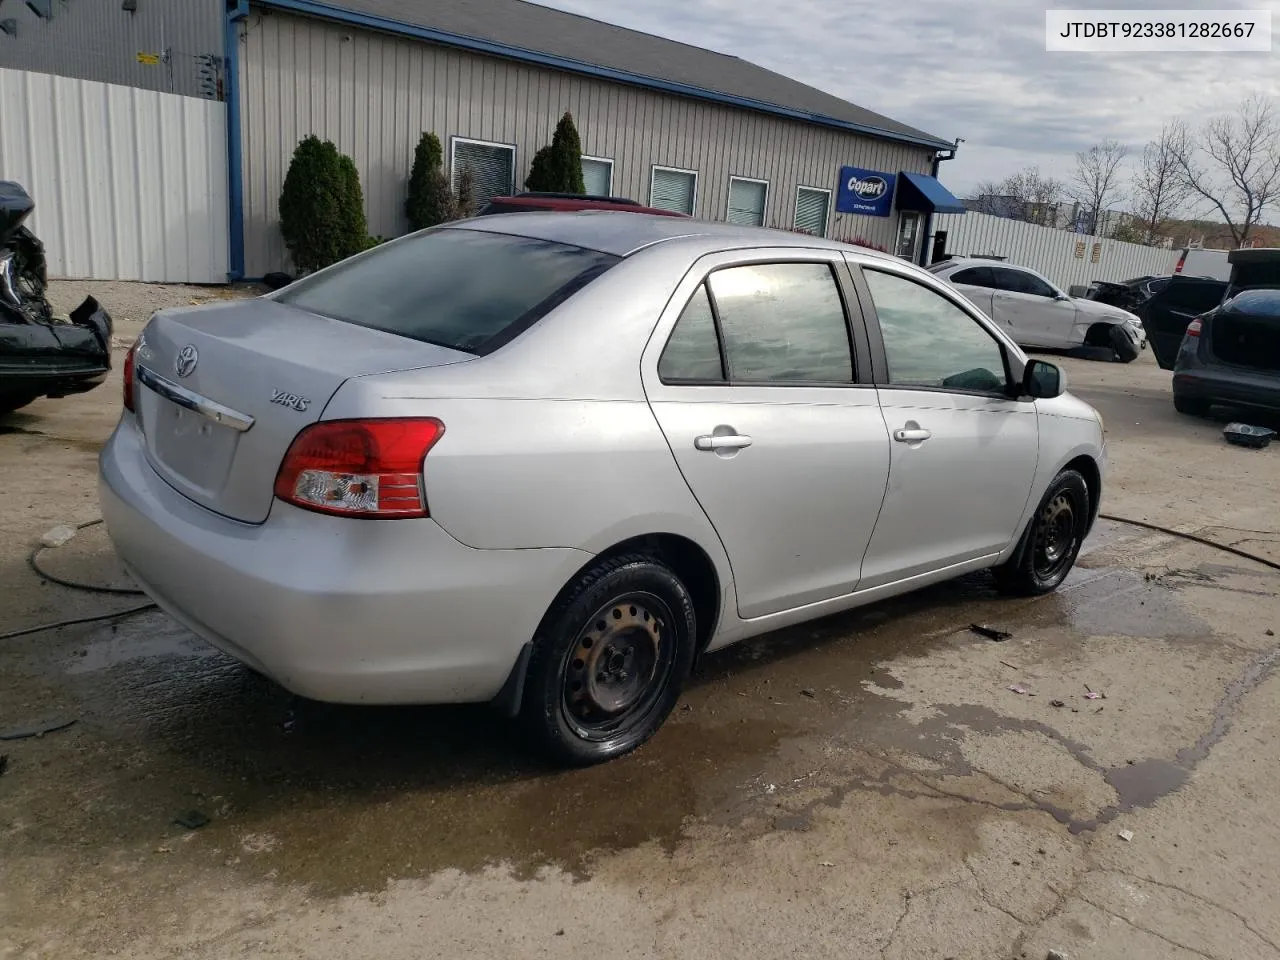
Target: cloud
[976,70]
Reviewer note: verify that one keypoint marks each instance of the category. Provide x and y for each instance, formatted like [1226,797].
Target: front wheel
[609,661]
[1126,350]
[1052,540]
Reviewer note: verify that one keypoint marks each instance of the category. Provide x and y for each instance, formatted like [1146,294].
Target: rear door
[963,454]
[1166,315]
[1028,308]
[761,386]
[977,284]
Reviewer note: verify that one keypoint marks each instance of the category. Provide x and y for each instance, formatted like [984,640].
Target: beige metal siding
[374,94]
[98,40]
[129,184]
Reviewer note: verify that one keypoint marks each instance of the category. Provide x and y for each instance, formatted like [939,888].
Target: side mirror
[1061,296]
[1043,381]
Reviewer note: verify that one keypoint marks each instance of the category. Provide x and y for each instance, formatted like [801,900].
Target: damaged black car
[41,355]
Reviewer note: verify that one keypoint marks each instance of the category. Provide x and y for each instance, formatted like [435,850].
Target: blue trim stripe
[327,11]
[236,12]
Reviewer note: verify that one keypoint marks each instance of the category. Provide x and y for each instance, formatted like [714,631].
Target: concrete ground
[864,786]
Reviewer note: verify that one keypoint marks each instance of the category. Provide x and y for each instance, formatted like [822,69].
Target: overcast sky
[975,69]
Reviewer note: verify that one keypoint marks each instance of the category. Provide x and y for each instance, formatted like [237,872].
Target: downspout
[926,248]
[237,10]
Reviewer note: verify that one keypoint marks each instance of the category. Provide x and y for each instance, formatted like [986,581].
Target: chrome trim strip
[193,401]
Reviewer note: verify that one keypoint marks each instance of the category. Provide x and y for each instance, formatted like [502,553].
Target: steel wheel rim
[618,666]
[1056,536]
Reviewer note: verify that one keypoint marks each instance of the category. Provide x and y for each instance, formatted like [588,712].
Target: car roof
[622,233]
[984,262]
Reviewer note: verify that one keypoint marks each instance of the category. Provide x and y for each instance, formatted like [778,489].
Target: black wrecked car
[1221,340]
[40,355]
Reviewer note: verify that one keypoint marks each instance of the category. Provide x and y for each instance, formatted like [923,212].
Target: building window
[597,175]
[812,206]
[492,165]
[747,199]
[674,189]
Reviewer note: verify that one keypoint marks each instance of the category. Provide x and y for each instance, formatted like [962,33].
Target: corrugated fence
[1065,258]
[129,184]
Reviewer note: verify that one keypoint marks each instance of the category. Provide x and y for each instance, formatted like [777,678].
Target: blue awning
[917,191]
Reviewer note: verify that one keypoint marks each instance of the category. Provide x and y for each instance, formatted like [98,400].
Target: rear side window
[974,277]
[782,322]
[693,352]
[457,288]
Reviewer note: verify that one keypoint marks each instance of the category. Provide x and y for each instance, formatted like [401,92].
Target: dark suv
[524,202]
[1222,340]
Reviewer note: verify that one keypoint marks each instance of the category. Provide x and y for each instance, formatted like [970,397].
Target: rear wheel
[1191,406]
[609,661]
[1126,350]
[1052,539]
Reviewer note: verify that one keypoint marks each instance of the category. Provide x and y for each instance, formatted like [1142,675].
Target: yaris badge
[290,400]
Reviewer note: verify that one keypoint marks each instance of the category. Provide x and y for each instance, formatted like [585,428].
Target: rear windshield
[457,288]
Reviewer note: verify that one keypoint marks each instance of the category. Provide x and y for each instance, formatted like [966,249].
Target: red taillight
[1181,260]
[359,468]
[128,378]
[1193,328]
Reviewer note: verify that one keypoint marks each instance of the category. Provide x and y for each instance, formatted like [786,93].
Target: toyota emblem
[186,361]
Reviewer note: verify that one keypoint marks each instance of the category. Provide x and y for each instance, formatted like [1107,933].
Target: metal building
[665,123]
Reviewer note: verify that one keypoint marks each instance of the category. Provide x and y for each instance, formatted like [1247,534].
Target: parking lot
[886,783]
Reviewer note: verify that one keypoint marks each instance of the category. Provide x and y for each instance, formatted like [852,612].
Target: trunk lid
[223,390]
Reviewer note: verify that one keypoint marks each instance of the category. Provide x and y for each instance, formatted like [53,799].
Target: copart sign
[868,192]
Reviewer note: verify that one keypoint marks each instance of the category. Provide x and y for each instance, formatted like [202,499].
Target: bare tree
[1026,195]
[1096,182]
[1158,191]
[1233,163]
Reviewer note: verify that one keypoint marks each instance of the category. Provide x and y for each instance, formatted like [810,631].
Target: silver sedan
[545,460]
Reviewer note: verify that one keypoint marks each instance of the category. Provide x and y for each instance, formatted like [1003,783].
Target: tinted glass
[693,352]
[1019,281]
[783,322]
[456,288]
[930,342]
[974,276]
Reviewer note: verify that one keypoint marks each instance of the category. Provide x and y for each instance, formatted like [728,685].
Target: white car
[1037,314]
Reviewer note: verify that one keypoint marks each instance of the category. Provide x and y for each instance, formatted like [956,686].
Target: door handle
[911,435]
[732,441]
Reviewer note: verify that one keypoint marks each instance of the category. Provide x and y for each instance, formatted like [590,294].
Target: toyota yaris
[545,460]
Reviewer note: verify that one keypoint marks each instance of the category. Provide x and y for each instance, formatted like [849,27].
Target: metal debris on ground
[991,633]
[808,692]
[4,763]
[58,536]
[39,730]
[1126,835]
[825,863]
[191,819]
[1056,703]
[1091,694]
[1055,955]
[1271,633]
[1016,688]
[1247,435]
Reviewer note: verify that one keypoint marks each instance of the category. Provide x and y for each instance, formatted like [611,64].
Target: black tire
[1126,350]
[10,404]
[1052,540]
[609,661]
[1191,406]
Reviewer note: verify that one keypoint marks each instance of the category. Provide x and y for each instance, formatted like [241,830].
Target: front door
[962,453]
[1030,309]
[751,377]
[908,234]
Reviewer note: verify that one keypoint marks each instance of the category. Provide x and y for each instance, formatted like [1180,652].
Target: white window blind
[746,202]
[598,176]
[492,168]
[811,211]
[673,190]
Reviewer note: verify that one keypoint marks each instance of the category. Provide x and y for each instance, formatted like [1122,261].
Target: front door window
[908,234]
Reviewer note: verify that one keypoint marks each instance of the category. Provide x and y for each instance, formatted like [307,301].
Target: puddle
[353,797]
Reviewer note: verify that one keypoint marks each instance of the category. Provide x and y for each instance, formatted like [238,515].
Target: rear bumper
[335,609]
[1229,386]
